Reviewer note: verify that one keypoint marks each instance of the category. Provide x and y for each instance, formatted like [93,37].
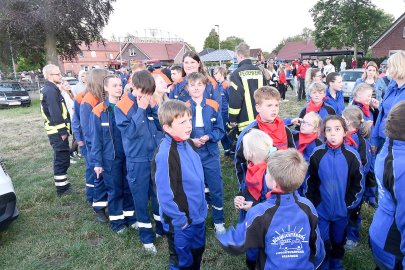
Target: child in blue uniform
[179,178]
[334,95]
[223,88]
[136,118]
[335,185]
[285,226]
[387,230]
[93,97]
[257,148]
[108,157]
[208,129]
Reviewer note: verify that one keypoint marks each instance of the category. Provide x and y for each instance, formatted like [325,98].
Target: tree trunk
[50,47]
[355,50]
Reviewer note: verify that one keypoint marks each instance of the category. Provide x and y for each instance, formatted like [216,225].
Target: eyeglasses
[305,123]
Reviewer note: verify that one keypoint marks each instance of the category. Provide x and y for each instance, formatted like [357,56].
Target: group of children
[141,146]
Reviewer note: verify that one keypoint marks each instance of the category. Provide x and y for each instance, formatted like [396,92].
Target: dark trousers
[301,90]
[61,161]
[282,89]
[225,141]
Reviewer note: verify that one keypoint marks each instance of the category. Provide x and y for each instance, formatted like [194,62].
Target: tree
[306,34]
[348,23]
[54,26]
[231,42]
[212,41]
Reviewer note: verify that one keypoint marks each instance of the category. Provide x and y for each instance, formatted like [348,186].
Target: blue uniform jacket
[387,231]
[106,137]
[284,228]
[310,148]
[76,128]
[213,125]
[337,103]
[181,93]
[392,96]
[179,177]
[140,129]
[223,89]
[363,148]
[88,103]
[335,181]
[365,117]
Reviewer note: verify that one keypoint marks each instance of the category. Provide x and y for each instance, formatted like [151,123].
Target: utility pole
[219,44]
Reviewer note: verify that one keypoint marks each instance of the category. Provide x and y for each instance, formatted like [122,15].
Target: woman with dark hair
[192,63]
[334,95]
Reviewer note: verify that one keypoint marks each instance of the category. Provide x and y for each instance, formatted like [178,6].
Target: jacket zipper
[109,129]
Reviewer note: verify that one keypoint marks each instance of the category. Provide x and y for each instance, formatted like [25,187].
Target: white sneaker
[158,235]
[350,244]
[135,226]
[72,161]
[150,248]
[122,231]
[285,100]
[220,228]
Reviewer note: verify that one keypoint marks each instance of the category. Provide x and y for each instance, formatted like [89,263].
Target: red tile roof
[161,51]
[111,46]
[293,49]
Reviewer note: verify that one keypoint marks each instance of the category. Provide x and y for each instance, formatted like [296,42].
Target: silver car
[349,78]
[8,200]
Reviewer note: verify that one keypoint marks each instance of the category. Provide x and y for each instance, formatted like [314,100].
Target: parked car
[71,80]
[8,199]
[232,67]
[13,94]
[349,78]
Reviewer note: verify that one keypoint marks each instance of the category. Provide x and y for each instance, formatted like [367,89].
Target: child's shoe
[122,231]
[134,226]
[101,216]
[150,248]
[220,228]
[350,244]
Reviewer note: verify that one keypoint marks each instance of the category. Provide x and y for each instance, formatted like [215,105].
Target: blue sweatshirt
[223,89]
[392,96]
[76,128]
[387,231]
[337,103]
[89,101]
[179,178]
[335,181]
[106,137]
[140,129]
[284,228]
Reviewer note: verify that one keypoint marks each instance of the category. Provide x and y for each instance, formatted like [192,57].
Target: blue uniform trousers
[100,199]
[121,208]
[141,186]
[186,246]
[213,179]
[333,234]
[90,175]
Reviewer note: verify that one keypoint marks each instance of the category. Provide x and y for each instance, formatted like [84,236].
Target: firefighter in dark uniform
[57,126]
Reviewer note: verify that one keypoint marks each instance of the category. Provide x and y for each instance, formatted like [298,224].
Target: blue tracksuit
[141,134]
[335,185]
[209,153]
[78,134]
[180,91]
[99,191]
[107,152]
[284,228]
[387,230]
[393,95]
[337,103]
[240,161]
[179,177]
[223,88]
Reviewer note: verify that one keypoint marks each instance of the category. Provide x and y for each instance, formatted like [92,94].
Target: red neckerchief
[275,130]
[305,139]
[364,107]
[274,191]
[254,178]
[312,107]
[334,146]
[349,139]
[177,139]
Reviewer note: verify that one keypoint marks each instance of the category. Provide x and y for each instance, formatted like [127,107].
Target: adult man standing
[57,126]
[328,67]
[244,81]
[301,72]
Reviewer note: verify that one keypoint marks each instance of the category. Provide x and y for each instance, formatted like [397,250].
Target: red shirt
[281,78]
[302,70]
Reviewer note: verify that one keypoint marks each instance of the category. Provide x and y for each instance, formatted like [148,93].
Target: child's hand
[98,171]
[197,143]
[247,205]
[152,102]
[143,101]
[375,103]
[296,121]
[204,139]
[238,202]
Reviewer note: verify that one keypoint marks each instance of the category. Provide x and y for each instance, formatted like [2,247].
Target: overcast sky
[262,24]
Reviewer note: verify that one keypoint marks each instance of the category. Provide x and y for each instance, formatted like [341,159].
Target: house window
[81,54]
[391,52]
[93,54]
[403,32]
[132,52]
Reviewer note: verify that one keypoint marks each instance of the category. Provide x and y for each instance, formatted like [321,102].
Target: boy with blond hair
[285,226]
[179,179]
[267,101]
[317,92]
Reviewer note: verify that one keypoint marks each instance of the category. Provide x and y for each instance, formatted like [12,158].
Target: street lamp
[219,45]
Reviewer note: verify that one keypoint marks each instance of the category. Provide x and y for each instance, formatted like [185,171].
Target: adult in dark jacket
[57,126]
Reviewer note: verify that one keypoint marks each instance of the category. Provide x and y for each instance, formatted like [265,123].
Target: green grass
[60,233]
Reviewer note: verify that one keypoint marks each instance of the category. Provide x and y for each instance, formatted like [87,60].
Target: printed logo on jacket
[289,242]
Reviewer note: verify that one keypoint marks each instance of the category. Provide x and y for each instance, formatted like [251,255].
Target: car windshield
[7,87]
[351,76]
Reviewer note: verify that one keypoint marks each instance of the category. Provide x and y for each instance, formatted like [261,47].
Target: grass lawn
[60,233]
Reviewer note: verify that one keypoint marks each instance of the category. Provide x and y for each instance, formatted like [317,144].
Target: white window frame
[132,52]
